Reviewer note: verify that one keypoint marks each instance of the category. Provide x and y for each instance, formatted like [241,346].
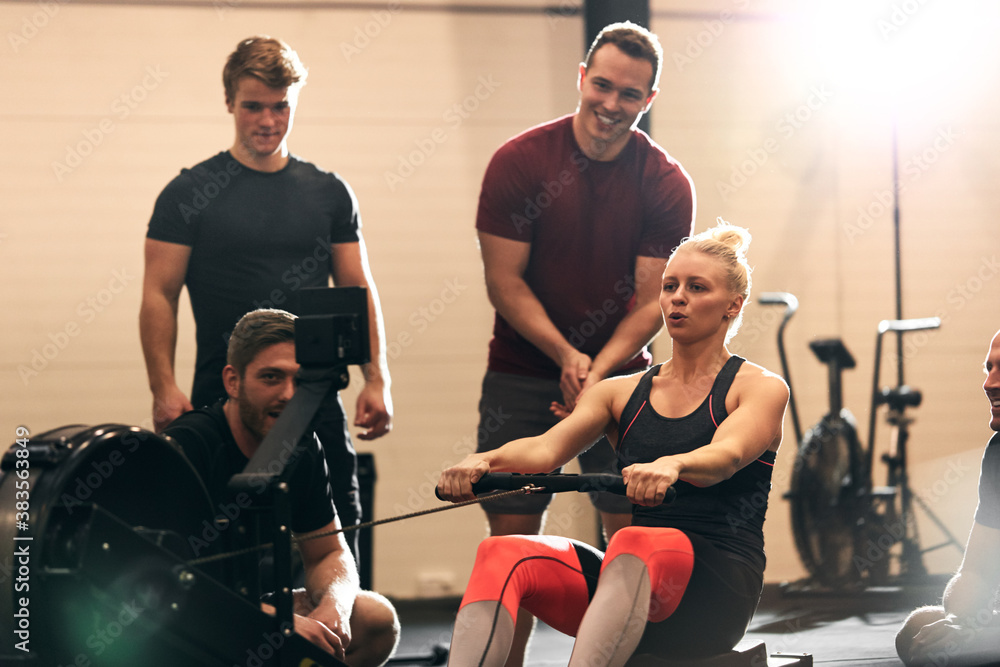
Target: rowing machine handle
[556,483]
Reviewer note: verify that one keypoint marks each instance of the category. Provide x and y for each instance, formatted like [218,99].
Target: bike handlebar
[775,298]
[918,324]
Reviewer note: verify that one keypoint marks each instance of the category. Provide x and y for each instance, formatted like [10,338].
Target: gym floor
[846,630]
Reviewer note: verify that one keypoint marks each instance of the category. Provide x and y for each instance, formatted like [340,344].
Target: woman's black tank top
[730,513]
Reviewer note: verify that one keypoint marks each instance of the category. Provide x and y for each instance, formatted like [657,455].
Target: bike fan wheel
[824,507]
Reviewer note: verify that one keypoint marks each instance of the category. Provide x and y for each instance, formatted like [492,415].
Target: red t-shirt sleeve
[669,209]
[505,208]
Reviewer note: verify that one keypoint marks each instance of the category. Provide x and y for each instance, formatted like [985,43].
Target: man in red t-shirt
[576,219]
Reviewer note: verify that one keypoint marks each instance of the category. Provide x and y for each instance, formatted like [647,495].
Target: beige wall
[104,103]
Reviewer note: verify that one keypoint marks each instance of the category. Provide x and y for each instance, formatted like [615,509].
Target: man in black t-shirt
[965,629]
[358,627]
[247,229]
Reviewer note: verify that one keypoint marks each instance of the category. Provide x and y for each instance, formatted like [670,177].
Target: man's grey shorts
[517,406]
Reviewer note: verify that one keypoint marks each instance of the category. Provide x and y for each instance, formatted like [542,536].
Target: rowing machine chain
[260,547]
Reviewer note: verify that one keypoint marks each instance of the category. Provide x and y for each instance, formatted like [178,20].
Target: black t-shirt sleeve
[988,511]
[312,504]
[345,223]
[175,215]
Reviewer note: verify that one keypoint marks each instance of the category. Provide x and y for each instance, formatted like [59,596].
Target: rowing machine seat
[754,655]
[746,655]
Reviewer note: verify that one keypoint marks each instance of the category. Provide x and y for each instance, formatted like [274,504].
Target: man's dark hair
[257,330]
[634,41]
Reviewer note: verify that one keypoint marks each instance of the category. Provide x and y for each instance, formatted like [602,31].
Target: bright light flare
[902,56]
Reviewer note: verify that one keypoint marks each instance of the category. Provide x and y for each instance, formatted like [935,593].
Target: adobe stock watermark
[269,647]
[417,497]
[957,298]
[751,508]
[229,511]
[422,318]
[666,595]
[712,29]
[752,328]
[566,9]
[974,643]
[102,640]
[879,546]
[370,30]
[32,24]
[453,117]
[786,127]
[202,195]
[565,519]
[223,7]
[900,14]
[912,170]
[89,481]
[609,651]
[789,639]
[121,108]
[87,311]
[964,292]
[624,288]
[313,267]
[549,192]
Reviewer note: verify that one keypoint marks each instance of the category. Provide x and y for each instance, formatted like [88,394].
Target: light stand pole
[897,248]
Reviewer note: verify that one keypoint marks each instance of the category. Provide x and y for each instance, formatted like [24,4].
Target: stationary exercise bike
[846,528]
